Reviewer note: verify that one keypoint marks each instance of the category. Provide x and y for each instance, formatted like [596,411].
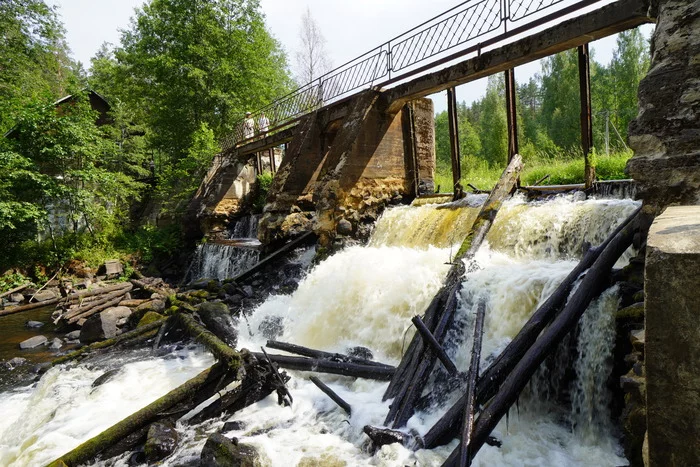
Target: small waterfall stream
[366,295]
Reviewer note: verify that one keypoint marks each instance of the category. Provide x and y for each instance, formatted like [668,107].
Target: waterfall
[222,261]
[366,295]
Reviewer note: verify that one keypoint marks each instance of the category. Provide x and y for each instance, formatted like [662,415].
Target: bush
[262,186]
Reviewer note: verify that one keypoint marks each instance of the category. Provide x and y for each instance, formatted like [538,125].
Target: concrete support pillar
[672,327]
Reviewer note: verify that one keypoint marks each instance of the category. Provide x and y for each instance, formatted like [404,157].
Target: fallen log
[94,309]
[326,366]
[590,287]
[120,339]
[492,378]
[383,436]
[332,394]
[441,311]
[273,256]
[30,306]
[15,290]
[313,353]
[92,292]
[107,298]
[141,284]
[88,450]
[468,424]
[216,346]
[434,345]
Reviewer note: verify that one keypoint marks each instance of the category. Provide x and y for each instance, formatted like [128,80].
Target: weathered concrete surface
[672,360]
[666,134]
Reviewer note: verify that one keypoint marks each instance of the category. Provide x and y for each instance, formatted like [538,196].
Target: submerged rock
[33,342]
[219,451]
[14,363]
[161,441]
[33,324]
[56,344]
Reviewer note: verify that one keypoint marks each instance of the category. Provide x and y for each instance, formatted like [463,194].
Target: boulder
[220,451]
[44,295]
[161,441]
[199,284]
[73,335]
[33,324]
[151,305]
[16,297]
[344,227]
[216,316]
[149,318]
[33,342]
[103,325]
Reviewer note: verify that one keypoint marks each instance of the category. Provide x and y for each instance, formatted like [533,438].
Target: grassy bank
[561,171]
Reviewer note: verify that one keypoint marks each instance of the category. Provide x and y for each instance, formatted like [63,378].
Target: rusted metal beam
[584,78]
[511,114]
[453,123]
[610,19]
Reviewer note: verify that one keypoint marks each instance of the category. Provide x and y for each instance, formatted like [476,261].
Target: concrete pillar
[672,327]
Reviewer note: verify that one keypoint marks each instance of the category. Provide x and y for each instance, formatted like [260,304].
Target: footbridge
[361,136]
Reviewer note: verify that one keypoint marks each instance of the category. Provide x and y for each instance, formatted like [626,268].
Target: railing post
[389,58]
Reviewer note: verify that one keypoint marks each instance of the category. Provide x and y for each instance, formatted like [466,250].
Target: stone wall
[665,136]
[672,328]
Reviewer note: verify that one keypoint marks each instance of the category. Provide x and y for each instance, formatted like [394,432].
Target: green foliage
[262,186]
[150,242]
[10,280]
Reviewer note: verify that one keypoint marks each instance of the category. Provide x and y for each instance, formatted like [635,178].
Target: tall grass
[562,170]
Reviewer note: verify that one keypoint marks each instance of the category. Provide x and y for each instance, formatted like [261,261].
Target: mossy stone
[148,318]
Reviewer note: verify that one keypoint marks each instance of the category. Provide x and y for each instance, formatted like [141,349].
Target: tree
[493,123]
[184,63]
[560,99]
[312,59]
[34,62]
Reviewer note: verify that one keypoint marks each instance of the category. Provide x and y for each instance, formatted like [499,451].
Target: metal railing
[460,30]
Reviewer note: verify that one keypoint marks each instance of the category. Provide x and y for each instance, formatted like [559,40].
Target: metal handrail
[467,25]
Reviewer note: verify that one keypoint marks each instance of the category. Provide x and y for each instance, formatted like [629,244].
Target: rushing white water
[366,296]
[43,421]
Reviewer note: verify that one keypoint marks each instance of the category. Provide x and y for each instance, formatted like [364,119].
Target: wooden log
[88,450]
[91,292]
[94,309]
[308,236]
[313,353]
[141,284]
[15,290]
[44,286]
[326,366]
[216,346]
[28,307]
[492,378]
[468,425]
[332,394]
[104,299]
[434,345]
[383,436]
[152,327]
[592,284]
[285,396]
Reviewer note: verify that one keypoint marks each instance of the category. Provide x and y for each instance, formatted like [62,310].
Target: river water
[366,295]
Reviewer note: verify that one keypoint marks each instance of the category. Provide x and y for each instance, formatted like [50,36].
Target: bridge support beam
[511,114]
[584,77]
[453,123]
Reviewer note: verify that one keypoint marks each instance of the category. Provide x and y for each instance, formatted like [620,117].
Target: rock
[33,324]
[220,451]
[248,290]
[16,297]
[161,441]
[634,311]
[103,325]
[14,363]
[149,318]
[234,300]
[216,316]
[361,352]
[56,344]
[73,335]
[271,327]
[230,289]
[344,227]
[152,305]
[235,425]
[199,284]
[113,267]
[33,342]
[44,295]
[105,377]
[637,338]
[579,196]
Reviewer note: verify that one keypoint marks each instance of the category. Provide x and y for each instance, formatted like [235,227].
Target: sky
[349,27]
